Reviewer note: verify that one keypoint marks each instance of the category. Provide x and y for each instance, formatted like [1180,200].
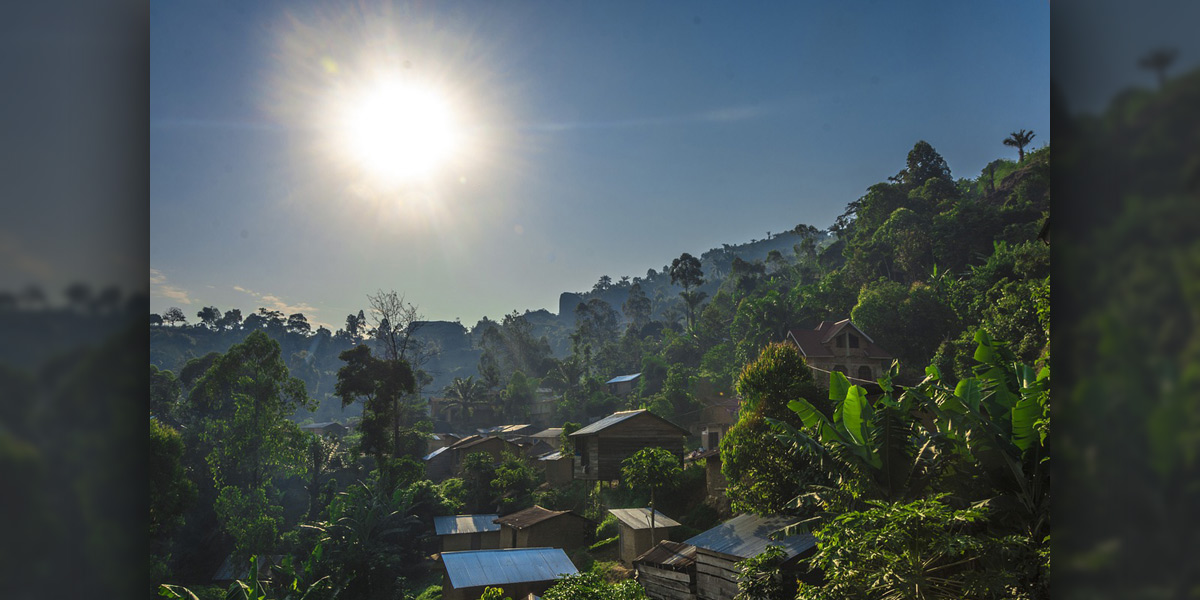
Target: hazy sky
[597,138]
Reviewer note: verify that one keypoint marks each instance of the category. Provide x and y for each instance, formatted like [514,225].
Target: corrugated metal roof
[618,417]
[639,518]
[552,432]
[748,535]
[674,555]
[477,568]
[552,456]
[623,378]
[436,452]
[465,524]
[532,516]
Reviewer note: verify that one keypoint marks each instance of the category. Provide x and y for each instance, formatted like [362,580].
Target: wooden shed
[467,532]
[537,526]
[745,536]
[557,467]
[633,527]
[602,446]
[520,571]
[668,571]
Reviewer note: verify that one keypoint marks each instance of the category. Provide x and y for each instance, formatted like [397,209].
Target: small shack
[557,467]
[439,464]
[601,447]
[745,536]
[519,571]
[668,571]
[467,532]
[622,385]
[633,526]
[552,436]
[537,526]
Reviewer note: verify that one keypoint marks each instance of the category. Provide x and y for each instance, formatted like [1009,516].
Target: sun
[399,131]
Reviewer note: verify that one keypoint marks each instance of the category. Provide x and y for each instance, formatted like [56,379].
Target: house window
[864,372]
[853,341]
[714,439]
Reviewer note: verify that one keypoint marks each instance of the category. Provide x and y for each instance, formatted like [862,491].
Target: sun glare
[399,131]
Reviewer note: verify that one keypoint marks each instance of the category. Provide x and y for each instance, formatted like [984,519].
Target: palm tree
[464,393]
[1158,61]
[1018,140]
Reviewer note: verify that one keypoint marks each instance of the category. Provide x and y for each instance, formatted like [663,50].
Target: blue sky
[605,138]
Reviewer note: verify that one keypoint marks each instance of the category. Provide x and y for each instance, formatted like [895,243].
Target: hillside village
[703,432]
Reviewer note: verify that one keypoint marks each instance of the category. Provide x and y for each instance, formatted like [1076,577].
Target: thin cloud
[160,287]
[273,302]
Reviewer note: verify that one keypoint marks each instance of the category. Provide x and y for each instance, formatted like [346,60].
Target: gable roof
[623,378]
[639,518]
[812,342]
[476,442]
[475,568]
[436,453]
[532,516]
[552,433]
[619,417]
[748,535]
[465,524]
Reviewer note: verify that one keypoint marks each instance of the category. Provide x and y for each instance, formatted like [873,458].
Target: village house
[439,464]
[467,532]
[841,347]
[714,479]
[633,528]
[552,436]
[442,440]
[557,467]
[537,526]
[601,447]
[745,536]
[622,385]
[668,571]
[520,571]
[492,445]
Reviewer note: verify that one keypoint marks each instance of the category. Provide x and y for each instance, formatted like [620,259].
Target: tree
[514,483]
[1018,140]
[763,476]
[592,586]
[1158,60]
[685,271]
[249,396]
[170,489]
[78,294]
[174,315]
[395,323]
[209,316]
[298,323]
[156,320]
[637,308]
[924,163]
[231,320]
[650,468]
[271,319]
[165,393]
[465,393]
[603,284]
[379,385]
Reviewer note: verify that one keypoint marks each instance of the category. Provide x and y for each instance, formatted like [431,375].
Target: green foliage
[514,483]
[381,386]
[170,489]
[493,593]
[760,577]
[652,469]
[918,550]
[591,586]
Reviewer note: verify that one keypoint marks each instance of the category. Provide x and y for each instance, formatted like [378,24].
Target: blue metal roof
[624,378]
[465,524]
[436,452]
[609,421]
[476,568]
[748,535]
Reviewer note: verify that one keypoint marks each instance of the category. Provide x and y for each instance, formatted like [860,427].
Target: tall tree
[298,323]
[231,320]
[209,315]
[1158,61]
[174,315]
[685,271]
[637,308]
[1018,140]
[379,385]
[651,469]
